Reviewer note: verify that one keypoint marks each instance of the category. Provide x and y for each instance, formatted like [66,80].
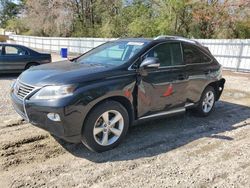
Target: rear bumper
[220,87]
[68,129]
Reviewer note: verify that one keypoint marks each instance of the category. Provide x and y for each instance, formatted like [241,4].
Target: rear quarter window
[193,55]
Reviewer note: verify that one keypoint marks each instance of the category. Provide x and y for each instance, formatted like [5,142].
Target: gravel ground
[183,151]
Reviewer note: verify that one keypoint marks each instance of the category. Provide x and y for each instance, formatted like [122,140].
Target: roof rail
[177,37]
[168,37]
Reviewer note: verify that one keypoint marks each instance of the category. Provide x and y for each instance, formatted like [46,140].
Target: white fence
[54,44]
[231,53]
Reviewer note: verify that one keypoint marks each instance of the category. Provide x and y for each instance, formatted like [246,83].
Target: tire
[29,65]
[206,103]
[99,133]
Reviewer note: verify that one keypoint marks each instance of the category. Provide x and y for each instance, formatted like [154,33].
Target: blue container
[64,52]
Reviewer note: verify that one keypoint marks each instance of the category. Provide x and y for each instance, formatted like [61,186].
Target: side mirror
[150,63]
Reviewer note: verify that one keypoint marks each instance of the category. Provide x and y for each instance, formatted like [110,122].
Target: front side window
[112,53]
[11,50]
[169,54]
[192,55]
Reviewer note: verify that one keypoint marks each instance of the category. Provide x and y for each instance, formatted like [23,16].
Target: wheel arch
[120,99]
[32,62]
[218,87]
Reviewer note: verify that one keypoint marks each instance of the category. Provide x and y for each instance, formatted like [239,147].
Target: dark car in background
[97,96]
[16,58]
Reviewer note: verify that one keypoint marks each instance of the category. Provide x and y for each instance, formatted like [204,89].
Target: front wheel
[207,101]
[105,126]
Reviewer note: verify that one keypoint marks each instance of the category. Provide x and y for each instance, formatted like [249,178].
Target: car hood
[64,72]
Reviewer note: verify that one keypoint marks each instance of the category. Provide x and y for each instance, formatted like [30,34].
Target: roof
[136,39]
[179,38]
[9,44]
[18,45]
[162,38]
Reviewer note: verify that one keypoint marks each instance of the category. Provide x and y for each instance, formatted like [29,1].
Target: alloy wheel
[108,128]
[208,102]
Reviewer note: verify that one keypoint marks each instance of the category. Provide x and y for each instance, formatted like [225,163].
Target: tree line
[127,18]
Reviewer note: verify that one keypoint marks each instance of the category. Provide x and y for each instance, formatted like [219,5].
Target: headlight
[54,92]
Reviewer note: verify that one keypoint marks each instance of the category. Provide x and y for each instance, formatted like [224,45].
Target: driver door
[163,89]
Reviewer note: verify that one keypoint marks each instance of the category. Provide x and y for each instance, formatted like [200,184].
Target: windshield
[112,53]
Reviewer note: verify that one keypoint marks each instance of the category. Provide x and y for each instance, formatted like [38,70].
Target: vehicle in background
[16,58]
[97,96]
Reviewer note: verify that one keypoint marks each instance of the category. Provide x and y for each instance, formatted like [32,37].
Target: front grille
[22,90]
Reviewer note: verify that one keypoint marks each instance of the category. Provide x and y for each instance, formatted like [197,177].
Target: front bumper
[69,128]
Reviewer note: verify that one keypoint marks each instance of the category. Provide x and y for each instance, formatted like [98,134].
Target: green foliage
[8,10]
[141,21]
[17,25]
[243,29]
[174,17]
[130,18]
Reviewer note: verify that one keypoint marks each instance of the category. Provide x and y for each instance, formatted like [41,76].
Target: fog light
[54,117]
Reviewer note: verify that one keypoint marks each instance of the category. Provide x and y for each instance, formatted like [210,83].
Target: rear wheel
[207,101]
[105,126]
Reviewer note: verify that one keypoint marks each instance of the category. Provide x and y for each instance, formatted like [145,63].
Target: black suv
[94,98]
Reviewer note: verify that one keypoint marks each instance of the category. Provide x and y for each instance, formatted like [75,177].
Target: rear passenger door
[163,89]
[14,58]
[198,66]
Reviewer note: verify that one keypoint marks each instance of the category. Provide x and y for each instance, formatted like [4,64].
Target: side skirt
[170,112]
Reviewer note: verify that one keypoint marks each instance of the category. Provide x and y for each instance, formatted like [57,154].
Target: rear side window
[169,54]
[1,47]
[192,55]
[11,50]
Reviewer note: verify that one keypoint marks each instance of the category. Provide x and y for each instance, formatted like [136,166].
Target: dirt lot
[185,151]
